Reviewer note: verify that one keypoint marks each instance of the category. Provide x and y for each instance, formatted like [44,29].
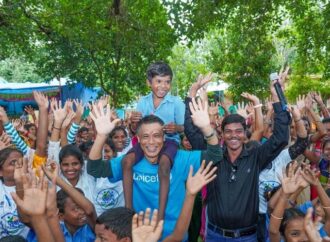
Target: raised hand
[311,227]
[68,119]
[4,141]
[310,176]
[3,116]
[59,112]
[144,229]
[254,99]
[79,108]
[300,101]
[104,100]
[200,82]
[290,182]
[317,97]
[199,113]
[295,112]
[135,116]
[29,110]
[241,109]
[101,119]
[213,109]
[283,76]
[202,177]
[35,194]
[51,171]
[309,102]
[41,99]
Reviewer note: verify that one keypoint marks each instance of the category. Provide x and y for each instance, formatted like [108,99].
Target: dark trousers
[195,223]
[261,228]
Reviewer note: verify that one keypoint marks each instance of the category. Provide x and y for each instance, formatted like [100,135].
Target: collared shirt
[84,233]
[171,109]
[234,203]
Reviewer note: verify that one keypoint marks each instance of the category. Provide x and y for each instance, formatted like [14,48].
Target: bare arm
[258,118]
[42,133]
[194,184]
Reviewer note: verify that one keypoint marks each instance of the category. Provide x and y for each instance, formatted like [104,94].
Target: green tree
[106,43]
[257,37]
[16,69]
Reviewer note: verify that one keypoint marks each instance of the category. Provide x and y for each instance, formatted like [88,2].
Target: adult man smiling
[232,201]
[145,173]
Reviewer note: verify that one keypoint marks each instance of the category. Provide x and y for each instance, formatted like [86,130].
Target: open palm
[101,119]
[144,229]
[201,178]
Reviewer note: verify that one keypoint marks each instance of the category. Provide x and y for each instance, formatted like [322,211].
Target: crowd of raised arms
[172,170]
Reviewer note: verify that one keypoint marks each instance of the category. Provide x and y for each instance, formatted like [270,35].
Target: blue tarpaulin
[15,96]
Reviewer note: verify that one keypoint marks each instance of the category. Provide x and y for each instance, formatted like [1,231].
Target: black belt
[232,233]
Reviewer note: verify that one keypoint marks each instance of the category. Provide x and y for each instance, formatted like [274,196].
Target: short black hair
[233,118]
[13,238]
[28,126]
[82,129]
[118,220]
[326,120]
[61,197]
[159,68]
[149,119]
[71,150]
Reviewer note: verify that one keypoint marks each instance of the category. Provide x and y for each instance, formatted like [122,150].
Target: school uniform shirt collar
[167,98]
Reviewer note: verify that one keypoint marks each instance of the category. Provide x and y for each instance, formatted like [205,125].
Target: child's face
[119,140]
[160,85]
[326,151]
[71,167]
[106,235]
[186,144]
[294,231]
[73,215]
[8,168]
[107,152]
[32,130]
[319,211]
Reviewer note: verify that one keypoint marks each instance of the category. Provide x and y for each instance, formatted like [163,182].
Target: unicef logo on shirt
[10,224]
[107,198]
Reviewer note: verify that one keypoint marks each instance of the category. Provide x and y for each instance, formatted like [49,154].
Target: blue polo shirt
[146,185]
[171,109]
[84,233]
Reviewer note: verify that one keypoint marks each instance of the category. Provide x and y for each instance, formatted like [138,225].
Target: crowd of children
[172,170]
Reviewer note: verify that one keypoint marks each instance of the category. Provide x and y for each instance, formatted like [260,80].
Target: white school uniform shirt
[86,182]
[9,220]
[270,177]
[100,191]
[108,195]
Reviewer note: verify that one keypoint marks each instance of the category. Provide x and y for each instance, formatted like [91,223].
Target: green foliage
[187,64]
[255,38]
[106,43]
[16,69]
[299,85]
